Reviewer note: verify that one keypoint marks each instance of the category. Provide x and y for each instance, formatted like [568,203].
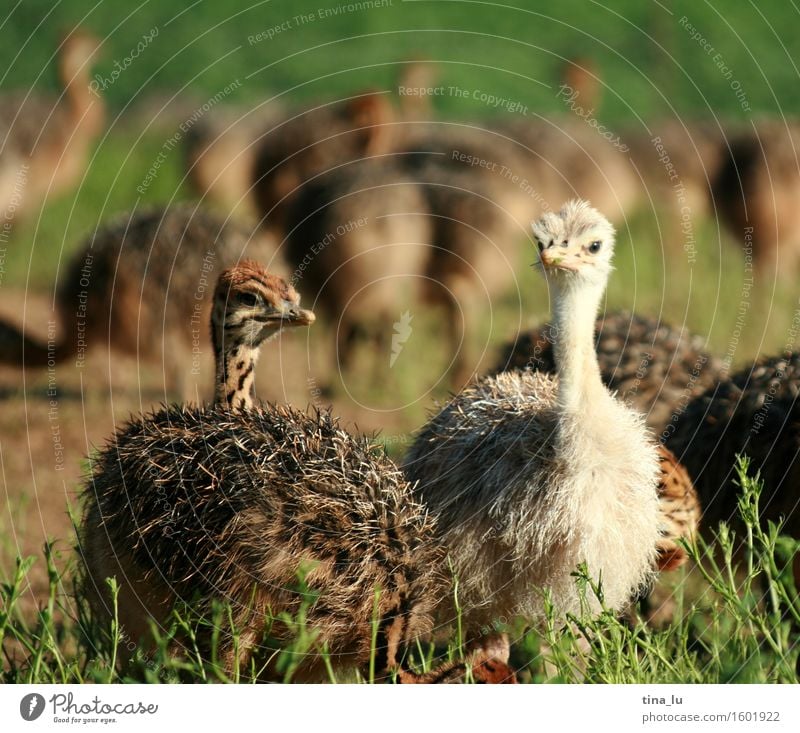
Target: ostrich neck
[86,109]
[235,379]
[575,310]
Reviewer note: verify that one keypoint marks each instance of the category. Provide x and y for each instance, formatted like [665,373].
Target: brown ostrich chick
[233,502]
[754,412]
[565,157]
[250,307]
[365,235]
[679,161]
[757,189]
[140,285]
[581,77]
[313,141]
[680,511]
[358,242]
[46,141]
[220,154]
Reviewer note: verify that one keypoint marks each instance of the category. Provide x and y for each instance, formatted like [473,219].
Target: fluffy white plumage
[530,475]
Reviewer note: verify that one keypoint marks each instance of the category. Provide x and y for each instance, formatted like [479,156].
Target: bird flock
[597,440]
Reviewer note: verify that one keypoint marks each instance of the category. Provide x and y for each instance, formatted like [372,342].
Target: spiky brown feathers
[754,412]
[208,505]
[679,509]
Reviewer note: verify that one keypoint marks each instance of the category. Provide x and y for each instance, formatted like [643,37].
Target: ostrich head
[78,50]
[575,245]
[315,141]
[251,305]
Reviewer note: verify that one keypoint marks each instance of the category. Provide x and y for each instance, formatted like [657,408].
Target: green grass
[741,624]
[512,48]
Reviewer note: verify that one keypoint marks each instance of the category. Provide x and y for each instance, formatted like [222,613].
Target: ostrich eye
[594,247]
[248,299]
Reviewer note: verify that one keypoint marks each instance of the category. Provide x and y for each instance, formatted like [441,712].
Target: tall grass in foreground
[745,627]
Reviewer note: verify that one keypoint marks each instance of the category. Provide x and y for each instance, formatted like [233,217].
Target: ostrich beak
[296,316]
[557,260]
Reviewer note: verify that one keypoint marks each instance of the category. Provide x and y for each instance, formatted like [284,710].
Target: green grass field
[513,48]
[737,619]
[742,627]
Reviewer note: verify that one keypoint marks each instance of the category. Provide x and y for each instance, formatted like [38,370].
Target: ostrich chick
[754,412]
[250,307]
[528,475]
[680,511]
[138,285]
[651,366]
[46,141]
[232,502]
[756,188]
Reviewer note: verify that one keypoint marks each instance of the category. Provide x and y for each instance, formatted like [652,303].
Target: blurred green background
[650,64]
